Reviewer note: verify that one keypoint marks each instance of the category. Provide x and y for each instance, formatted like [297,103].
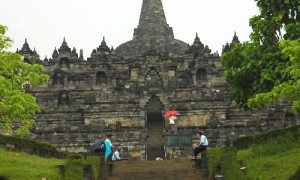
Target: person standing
[99,150]
[108,155]
[98,145]
[172,119]
[108,148]
[202,145]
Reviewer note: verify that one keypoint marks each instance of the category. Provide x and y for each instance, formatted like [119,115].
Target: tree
[265,69]
[16,105]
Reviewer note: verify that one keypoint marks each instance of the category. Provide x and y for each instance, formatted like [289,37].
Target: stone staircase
[155,141]
[177,169]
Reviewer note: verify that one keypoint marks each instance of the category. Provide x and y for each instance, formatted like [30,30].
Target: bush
[224,161]
[30,146]
[214,156]
[74,167]
[262,138]
[95,162]
[276,146]
[230,165]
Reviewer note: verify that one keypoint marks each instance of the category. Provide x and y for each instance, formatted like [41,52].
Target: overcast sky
[84,22]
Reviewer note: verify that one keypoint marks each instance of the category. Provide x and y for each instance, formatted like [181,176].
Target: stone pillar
[204,162]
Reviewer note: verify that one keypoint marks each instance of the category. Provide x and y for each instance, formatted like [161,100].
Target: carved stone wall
[108,93]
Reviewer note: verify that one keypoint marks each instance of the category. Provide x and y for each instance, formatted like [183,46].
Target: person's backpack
[103,147]
[99,145]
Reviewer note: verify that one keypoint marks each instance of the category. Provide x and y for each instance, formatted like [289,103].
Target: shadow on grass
[3,177]
[296,176]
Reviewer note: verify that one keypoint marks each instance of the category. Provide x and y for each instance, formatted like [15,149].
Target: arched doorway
[154,124]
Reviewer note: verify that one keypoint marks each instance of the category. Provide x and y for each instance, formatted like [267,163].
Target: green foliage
[94,161]
[286,10]
[4,40]
[22,166]
[275,145]
[74,167]
[16,76]
[230,165]
[288,90]
[226,158]
[243,142]
[290,134]
[282,165]
[76,164]
[296,176]
[265,156]
[265,69]
[214,156]
[30,146]
[292,31]
[277,158]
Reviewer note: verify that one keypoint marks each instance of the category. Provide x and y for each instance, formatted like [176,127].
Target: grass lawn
[19,166]
[275,166]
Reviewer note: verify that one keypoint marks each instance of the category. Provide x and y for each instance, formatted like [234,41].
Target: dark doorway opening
[154,124]
[155,118]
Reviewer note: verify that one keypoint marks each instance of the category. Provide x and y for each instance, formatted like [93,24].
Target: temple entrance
[154,125]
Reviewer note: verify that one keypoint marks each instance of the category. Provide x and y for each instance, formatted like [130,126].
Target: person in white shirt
[116,155]
[158,158]
[172,119]
[202,145]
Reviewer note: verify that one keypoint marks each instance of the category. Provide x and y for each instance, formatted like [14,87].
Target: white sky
[84,22]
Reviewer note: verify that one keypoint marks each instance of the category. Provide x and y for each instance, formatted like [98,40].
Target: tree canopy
[16,105]
[265,69]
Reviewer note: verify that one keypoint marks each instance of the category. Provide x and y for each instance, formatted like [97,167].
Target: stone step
[158,172]
[154,130]
[157,133]
[167,162]
[164,175]
[155,127]
[154,166]
[154,163]
[176,169]
[193,177]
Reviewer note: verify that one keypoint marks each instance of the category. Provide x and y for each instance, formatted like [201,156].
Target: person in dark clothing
[98,145]
[99,151]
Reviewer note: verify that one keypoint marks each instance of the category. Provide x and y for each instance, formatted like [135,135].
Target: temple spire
[152,32]
[152,22]
[152,13]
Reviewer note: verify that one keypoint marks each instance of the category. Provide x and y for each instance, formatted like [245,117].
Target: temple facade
[125,91]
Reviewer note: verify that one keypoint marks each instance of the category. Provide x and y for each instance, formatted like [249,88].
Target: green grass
[22,166]
[279,166]
[214,156]
[276,159]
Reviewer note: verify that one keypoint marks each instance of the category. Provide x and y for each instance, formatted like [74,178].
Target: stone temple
[125,91]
